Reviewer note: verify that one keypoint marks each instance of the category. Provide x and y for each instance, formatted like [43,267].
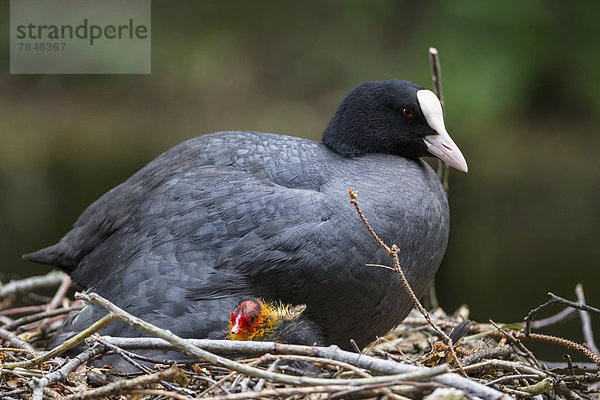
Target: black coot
[236,215]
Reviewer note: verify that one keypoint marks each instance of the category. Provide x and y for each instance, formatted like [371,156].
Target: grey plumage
[233,215]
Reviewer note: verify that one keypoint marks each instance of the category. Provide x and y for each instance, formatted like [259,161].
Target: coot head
[247,320]
[392,117]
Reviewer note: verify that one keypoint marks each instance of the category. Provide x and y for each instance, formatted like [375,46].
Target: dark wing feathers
[187,161]
[160,240]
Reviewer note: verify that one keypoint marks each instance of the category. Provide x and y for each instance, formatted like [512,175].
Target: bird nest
[484,360]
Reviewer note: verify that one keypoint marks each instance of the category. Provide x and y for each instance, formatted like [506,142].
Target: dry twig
[554,299]
[586,323]
[75,340]
[514,340]
[29,284]
[36,317]
[443,171]
[393,252]
[553,319]
[63,372]
[15,341]
[125,385]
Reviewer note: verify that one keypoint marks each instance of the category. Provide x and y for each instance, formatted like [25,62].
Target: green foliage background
[522,87]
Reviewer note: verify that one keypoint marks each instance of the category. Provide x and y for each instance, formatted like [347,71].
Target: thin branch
[393,252]
[75,340]
[563,391]
[586,323]
[569,363]
[261,382]
[436,73]
[498,352]
[127,356]
[354,200]
[36,317]
[543,386]
[283,393]
[317,360]
[24,310]
[16,392]
[158,392]
[63,372]
[553,319]
[510,378]
[16,342]
[51,279]
[218,384]
[578,306]
[371,391]
[17,350]
[325,361]
[443,171]
[60,294]
[505,365]
[554,299]
[172,374]
[514,340]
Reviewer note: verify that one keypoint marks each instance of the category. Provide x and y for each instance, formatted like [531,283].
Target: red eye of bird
[407,113]
[253,318]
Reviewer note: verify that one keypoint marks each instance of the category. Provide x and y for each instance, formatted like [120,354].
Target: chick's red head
[245,322]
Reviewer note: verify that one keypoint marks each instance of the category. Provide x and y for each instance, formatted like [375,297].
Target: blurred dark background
[522,87]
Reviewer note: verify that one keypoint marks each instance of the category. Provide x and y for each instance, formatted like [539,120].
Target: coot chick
[235,215]
[259,320]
